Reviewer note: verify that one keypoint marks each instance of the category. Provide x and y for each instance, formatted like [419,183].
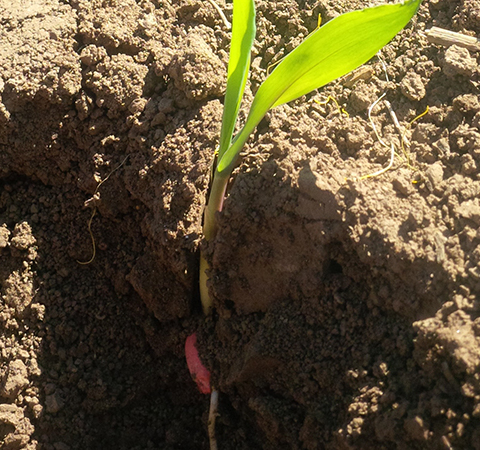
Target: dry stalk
[440,36]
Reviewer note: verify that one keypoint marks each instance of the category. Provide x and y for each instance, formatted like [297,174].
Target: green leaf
[243,34]
[337,48]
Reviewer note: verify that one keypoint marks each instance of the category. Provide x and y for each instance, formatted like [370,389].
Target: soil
[347,310]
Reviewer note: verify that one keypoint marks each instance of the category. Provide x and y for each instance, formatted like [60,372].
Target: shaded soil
[347,308]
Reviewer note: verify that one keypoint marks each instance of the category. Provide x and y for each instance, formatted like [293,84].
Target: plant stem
[210,227]
[216,198]
[205,298]
[215,204]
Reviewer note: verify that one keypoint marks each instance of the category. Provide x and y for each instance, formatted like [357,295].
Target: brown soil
[347,311]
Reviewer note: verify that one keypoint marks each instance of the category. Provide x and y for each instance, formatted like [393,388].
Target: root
[94,247]
[384,169]
[404,142]
[228,25]
[94,200]
[340,110]
[212,416]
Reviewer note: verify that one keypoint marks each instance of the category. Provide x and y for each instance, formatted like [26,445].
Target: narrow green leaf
[243,34]
[330,52]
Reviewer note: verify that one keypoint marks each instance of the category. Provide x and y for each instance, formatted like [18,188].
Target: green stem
[215,204]
[210,227]
[221,175]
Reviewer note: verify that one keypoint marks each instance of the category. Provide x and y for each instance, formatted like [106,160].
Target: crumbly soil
[347,307]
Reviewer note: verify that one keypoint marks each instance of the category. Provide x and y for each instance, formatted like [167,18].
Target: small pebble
[434,174]
[458,61]
[412,86]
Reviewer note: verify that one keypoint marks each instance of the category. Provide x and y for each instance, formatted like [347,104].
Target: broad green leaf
[335,49]
[243,34]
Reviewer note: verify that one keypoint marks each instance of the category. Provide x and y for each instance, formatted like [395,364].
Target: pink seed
[198,371]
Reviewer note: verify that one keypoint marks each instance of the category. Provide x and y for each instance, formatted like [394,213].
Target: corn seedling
[329,52]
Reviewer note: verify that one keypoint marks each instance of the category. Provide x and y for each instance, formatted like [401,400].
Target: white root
[212,416]
[222,15]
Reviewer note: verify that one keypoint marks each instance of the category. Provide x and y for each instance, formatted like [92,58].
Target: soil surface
[347,307]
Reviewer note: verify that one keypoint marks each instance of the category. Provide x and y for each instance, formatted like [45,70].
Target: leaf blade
[372,29]
[243,34]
